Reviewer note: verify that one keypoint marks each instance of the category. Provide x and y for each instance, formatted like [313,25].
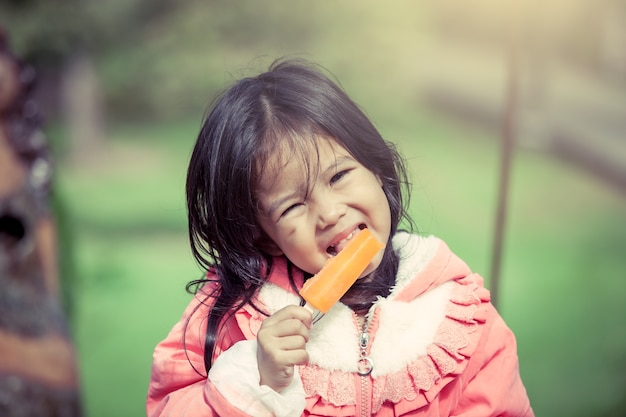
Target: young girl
[286,170]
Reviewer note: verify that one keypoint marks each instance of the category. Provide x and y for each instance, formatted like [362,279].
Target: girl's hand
[282,345]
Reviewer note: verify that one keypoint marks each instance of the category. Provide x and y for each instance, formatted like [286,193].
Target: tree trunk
[82,105]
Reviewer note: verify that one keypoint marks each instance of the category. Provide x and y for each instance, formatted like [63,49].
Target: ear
[268,246]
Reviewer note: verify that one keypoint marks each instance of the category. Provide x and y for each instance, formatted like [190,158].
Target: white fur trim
[333,340]
[275,298]
[414,252]
[407,329]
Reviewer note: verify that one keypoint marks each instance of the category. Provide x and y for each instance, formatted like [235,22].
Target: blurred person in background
[38,366]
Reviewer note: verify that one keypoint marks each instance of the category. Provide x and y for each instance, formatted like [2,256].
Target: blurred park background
[124,85]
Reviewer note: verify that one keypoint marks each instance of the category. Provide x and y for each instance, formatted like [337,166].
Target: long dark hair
[293,100]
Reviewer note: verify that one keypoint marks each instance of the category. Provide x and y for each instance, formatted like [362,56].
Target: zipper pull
[366,365]
[364,341]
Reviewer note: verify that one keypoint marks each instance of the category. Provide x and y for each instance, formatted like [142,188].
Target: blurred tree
[589,34]
[62,39]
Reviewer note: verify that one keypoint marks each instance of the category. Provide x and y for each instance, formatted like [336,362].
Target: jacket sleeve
[179,385]
[178,382]
[494,386]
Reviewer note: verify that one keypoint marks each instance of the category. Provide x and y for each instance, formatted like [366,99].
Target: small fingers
[291,312]
[287,357]
[289,321]
[293,342]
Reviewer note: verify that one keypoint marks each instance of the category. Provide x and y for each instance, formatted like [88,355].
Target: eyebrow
[338,161]
[279,202]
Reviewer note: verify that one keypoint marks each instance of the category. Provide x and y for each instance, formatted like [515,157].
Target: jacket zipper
[365,367]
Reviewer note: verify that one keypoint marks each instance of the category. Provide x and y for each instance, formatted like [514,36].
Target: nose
[329,211]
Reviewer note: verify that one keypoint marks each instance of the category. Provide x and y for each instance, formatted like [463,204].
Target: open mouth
[334,249]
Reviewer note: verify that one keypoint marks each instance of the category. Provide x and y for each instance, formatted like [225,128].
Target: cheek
[382,212]
[304,261]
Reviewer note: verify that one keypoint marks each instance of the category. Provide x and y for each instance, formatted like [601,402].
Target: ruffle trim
[422,379]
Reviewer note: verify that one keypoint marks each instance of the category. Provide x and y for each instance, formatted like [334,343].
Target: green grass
[128,216]
[563,277]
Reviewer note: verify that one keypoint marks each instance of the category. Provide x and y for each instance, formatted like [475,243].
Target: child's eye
[290,208]
[338,176]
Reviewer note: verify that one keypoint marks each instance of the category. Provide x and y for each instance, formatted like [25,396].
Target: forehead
[294,163]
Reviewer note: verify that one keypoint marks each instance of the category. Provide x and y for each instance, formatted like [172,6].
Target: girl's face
[311,212]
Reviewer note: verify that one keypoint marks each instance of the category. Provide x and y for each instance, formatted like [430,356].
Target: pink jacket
[436,347]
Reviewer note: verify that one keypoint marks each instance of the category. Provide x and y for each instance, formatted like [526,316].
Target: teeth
[345,239]
[333,248]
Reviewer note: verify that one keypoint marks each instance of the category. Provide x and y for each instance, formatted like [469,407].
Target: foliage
[50,30]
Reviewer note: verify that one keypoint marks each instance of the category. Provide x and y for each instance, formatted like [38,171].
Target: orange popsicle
[339,273]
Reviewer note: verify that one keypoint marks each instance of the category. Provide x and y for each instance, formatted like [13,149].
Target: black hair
[293,100]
